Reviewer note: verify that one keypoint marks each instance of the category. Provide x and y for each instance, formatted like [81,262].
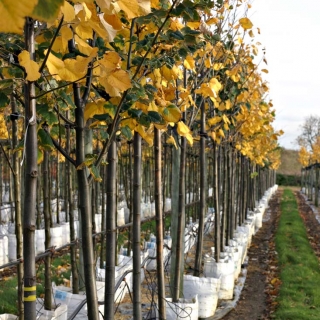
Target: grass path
[299,295]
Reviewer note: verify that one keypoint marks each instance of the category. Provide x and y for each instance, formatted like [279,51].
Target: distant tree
[310,132]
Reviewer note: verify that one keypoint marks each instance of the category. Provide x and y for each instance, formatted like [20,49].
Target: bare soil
[255,301]
[262,285]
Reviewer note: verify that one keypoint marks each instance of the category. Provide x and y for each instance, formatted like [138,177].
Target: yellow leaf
[184,131]
[66,33]
[72,70]
[171,113]
[221,133]
[189,63]
[68,12]
[171,140]
[206,91]
[265,70]
[3,128]
[212,21]
[60,45]
[144,7]
[112,91]
[111,32]
[31,67]
[113,20]
[98,28]
[110,61]
[225,119]
[214,120]
[69,69]
[94,108]
[193,24]
[104,4]
[208,63]
[130,7]
[155,3]
[83,46]
[215,85]
[84,30]
[245,23]
[120,79]
[13,14]
[228,104]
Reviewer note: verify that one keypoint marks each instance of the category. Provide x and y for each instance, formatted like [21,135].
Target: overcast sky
[290,32]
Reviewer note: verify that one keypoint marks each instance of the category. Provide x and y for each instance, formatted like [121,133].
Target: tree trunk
[46,214]
[31,174]
[17,206]
[203,195]
[111,212]
[103,217]
[85,210]
[136,227]
[217,236]
[179,250]
[57,190]
[225,191]
[159,225]
[70,207]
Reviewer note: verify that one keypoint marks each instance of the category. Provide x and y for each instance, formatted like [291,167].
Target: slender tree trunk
[31,174]
[70,207]
[136,228]
[217,236]
[103,217]
[225,191]
[11,195]
[17,205]
[203,195]
[38,217]
[111,188]
[316,189]
[245,188]
[159,225]
[174,216]
[85,210]
[2,181]
[178,279]
[58,189]
[46,213]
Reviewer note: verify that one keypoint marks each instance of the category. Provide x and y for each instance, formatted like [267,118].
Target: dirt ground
[257,301]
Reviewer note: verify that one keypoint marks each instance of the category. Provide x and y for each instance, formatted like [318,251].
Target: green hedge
[288,180]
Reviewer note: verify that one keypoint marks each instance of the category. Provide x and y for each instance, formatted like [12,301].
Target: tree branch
[51,45]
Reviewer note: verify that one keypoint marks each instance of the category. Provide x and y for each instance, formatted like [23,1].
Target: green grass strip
[299,296]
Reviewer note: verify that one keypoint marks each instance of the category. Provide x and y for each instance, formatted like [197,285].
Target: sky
[290,32]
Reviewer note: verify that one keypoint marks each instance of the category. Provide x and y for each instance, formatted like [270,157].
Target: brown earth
[257,299]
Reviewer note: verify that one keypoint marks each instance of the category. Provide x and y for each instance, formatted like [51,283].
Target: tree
[310,132]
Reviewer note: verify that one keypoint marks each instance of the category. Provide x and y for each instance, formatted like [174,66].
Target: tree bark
[111,212]
[17,206]
[85,211]
[203,195]
[46,214]
[178,279]
[137,315]
[31,174]
[159,225]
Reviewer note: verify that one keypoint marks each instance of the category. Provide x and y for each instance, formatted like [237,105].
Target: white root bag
[226,270]
[187,309]
[206,289]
